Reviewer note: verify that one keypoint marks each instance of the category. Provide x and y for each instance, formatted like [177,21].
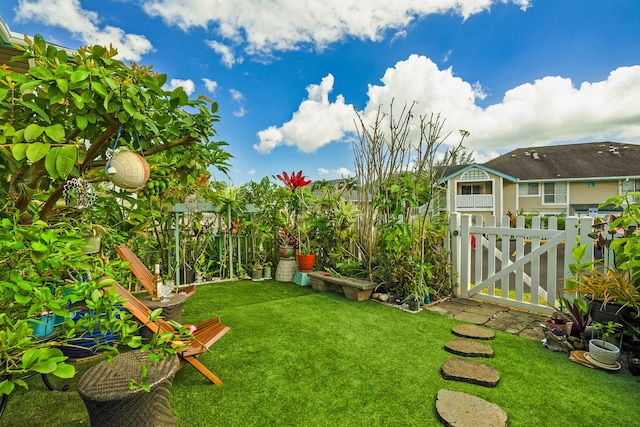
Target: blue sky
[287,74]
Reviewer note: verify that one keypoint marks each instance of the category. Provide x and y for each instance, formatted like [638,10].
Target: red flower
[294,180]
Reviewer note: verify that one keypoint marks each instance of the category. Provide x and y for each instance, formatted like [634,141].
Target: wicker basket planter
[110,402]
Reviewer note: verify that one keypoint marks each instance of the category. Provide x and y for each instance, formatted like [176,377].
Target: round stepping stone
[468,347]
[473,331]
[470,371]
[459,409]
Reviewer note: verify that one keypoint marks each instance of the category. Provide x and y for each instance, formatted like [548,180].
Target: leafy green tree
[59,119]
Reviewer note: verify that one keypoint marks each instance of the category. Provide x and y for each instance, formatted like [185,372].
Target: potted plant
[288,242]
[256,271]
[418,294]
[613,292]
[602,351]
[305,256]
[267,270]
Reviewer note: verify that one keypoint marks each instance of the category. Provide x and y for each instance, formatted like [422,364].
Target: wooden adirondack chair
[143,274]
[205,335]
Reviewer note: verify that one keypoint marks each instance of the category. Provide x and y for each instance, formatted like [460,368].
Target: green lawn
[297,358]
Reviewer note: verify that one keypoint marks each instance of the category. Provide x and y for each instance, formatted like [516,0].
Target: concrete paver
[506,319]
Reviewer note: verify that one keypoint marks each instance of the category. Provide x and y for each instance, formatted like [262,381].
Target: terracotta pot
[306,262]
[565,327]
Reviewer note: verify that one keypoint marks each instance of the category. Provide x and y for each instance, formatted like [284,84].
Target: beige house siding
[6,54]
[510,191]
[596,192]
[583,192]
[489,185]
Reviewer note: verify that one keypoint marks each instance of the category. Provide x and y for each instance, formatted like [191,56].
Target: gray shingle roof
[570,161]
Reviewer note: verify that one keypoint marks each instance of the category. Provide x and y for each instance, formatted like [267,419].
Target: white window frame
[527,186]
[555,194]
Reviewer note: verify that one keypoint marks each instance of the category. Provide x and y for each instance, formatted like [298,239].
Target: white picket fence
[517,267]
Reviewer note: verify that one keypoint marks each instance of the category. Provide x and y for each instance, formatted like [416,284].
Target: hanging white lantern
[128,170]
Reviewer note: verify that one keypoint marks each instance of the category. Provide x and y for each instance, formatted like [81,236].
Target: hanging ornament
[78,193]
[127,169]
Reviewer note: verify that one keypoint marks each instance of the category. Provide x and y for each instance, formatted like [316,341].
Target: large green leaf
[55,132]
[66,160]
[99,88]
[77,100]
[19,151]
[128,107]
[79,75]
[41,73]
[37,151]
[6,387]
[39,247]
[64,370]
[81,122]
[39,111]
[50,162]
[32,132]
[62,85]
[45,367]
[18,136]
[30,85]
[30,357]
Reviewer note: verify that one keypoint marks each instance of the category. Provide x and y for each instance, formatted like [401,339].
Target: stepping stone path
[467,347]
[470,371]
[473,331]
[462,409]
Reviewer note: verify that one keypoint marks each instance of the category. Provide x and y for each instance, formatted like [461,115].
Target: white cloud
[211,85]
[281,25]
[335,173]
[251,172]
[83,24]
[316,123]
[549,110]
[227,56]
[240,112]
[345,173]
[236,95]
[188,85]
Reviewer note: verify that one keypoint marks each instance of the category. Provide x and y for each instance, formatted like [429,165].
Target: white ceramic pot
[608,355]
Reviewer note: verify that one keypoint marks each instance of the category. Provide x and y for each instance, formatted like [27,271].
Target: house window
[528,189]
[474,174]
[630,185]
[472,189]
[555,192]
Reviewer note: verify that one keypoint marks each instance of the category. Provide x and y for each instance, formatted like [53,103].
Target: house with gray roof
[569,179]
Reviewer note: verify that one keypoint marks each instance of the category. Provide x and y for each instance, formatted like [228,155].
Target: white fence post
[465,259]
[454,246]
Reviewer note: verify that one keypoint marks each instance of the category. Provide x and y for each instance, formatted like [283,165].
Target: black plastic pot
[611,312]
[187,276]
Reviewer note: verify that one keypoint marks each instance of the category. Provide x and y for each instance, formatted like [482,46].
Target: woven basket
[607,356]
[110,401]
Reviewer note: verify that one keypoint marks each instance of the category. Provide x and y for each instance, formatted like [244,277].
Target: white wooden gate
[517,267]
